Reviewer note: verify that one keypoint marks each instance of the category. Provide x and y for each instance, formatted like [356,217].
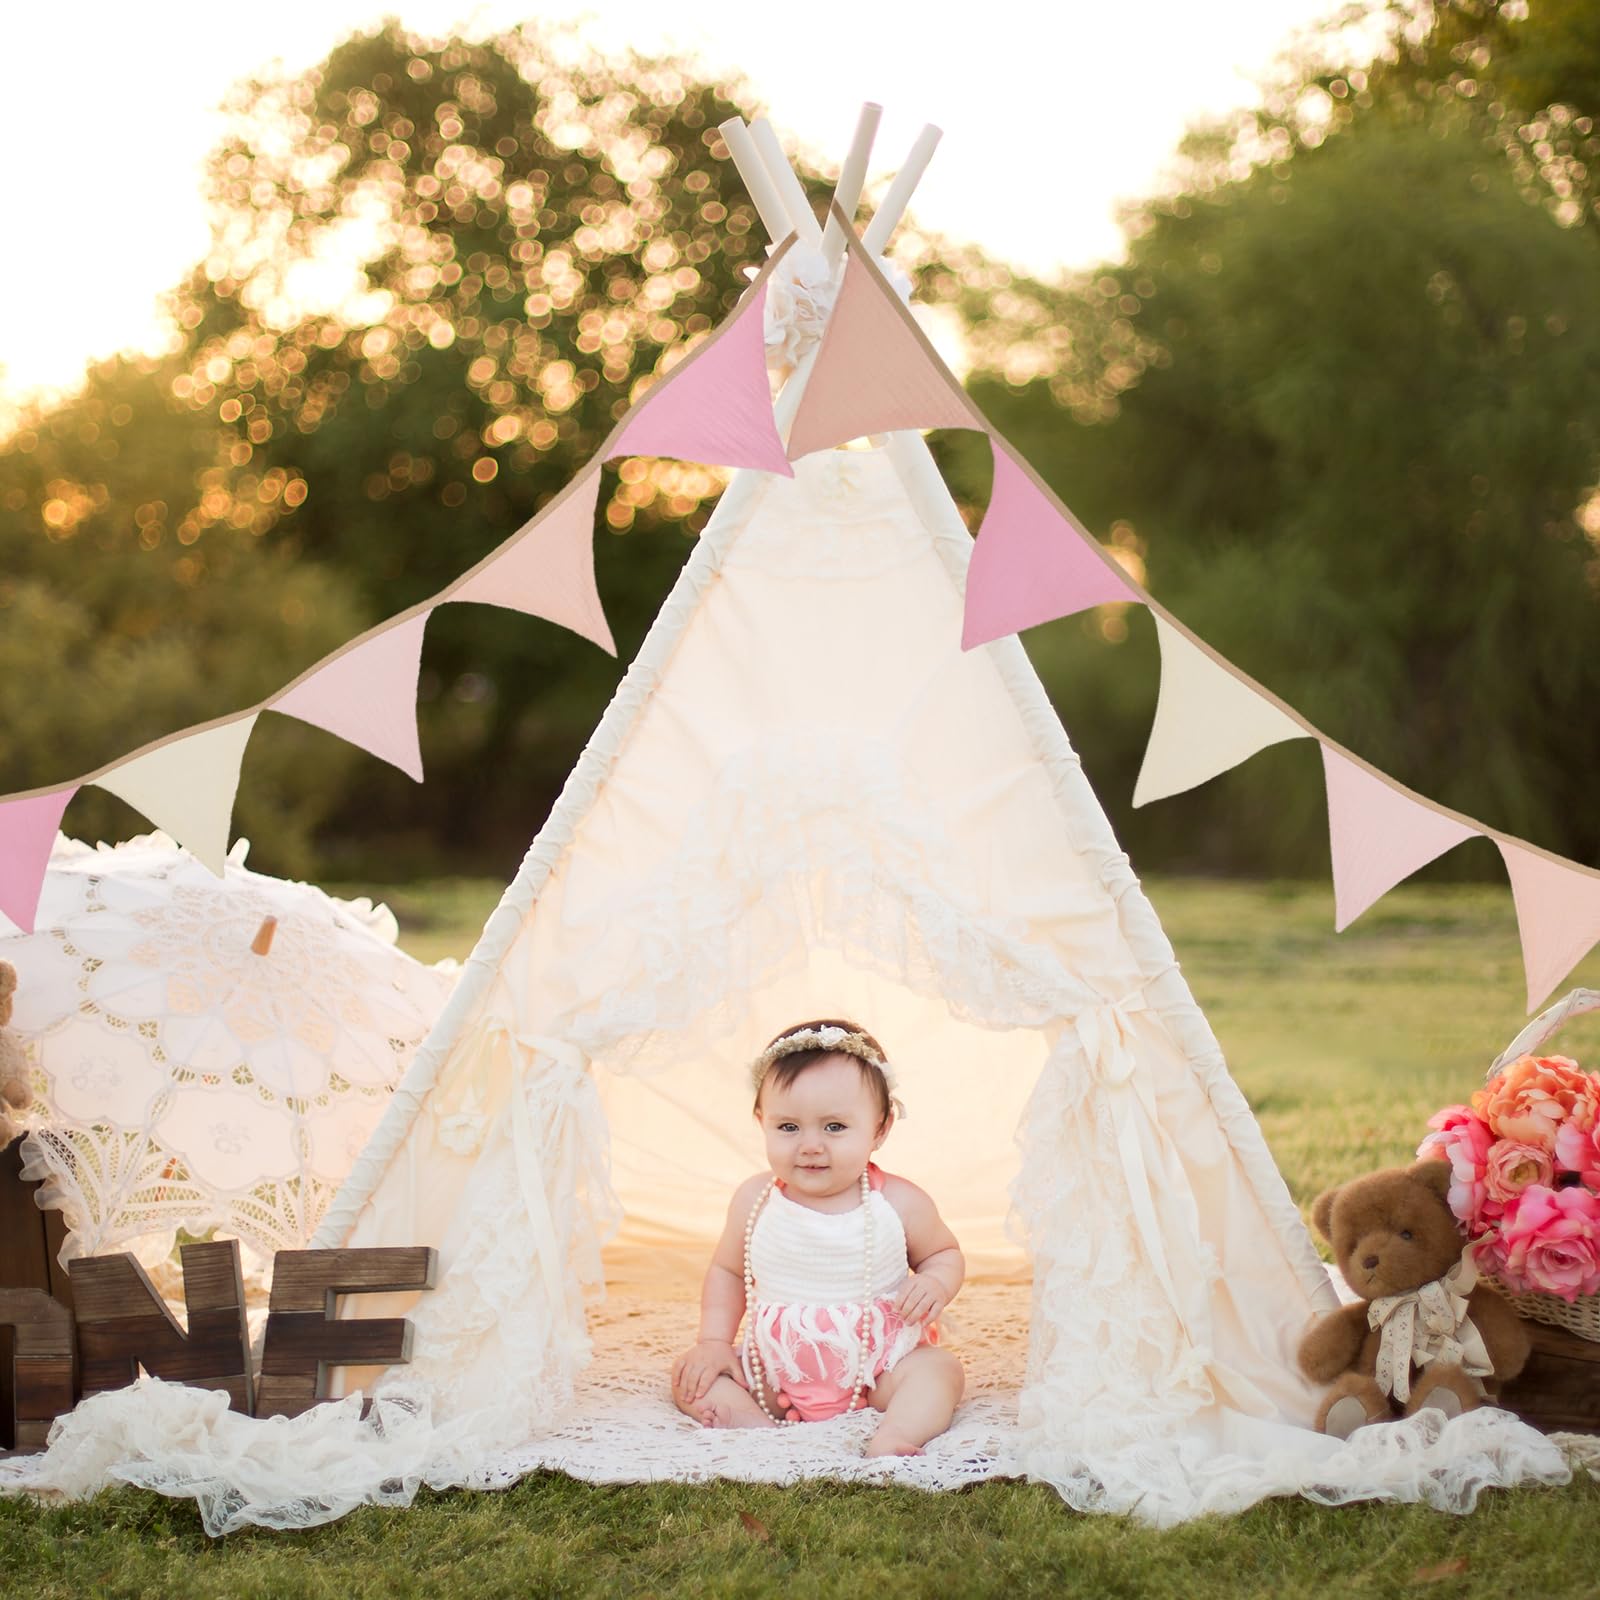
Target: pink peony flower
[1464,1139]
[1549,1241]
[1511,1167]
[1529,1100]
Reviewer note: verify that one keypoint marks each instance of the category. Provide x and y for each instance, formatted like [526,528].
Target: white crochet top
[805,1262]
[813,1258]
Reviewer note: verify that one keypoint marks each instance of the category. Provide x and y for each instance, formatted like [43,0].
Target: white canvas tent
[806,800]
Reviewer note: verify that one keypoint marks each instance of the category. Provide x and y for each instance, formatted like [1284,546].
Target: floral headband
[828,1038]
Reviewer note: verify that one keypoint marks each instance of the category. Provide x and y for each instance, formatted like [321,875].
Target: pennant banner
[186,786]
[874,372]
[1032,562]
[1207,721]
[715,406]
[547,569]
[1378,835]
[27,833]
[368,695]
[1558,915]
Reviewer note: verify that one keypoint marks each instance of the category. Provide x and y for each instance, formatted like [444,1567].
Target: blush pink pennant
[873,373]
[368,695]
[27,833]
[1378,835]
[547,568]
[1558,915]
[1032,561]
[715,406]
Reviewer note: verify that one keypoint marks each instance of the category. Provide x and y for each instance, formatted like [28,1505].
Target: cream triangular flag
[1207,720]
[186,786]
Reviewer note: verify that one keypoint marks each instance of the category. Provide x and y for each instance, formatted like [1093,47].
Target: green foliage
[532,238]
[1338,410]
[138,598]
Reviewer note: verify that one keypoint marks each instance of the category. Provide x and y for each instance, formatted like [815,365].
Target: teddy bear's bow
[1428,1324]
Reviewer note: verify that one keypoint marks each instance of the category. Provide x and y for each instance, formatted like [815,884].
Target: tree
[138,598]
[513,245]
[1336,405]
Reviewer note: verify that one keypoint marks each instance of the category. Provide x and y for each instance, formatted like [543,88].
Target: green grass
[1343,1043]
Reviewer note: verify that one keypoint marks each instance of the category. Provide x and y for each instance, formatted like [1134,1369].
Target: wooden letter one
[41,1369]
[123,1323]
[303,1337]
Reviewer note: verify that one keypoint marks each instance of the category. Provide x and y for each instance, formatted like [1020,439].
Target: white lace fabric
[619,1426]
[182,1080]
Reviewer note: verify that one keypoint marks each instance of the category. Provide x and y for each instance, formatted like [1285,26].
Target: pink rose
[1578,1150]
[1530,1099]
[1464,1139]
[1511,1167]
[1550,1242]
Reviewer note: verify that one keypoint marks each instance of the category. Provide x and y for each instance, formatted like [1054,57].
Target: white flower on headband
[830,1037]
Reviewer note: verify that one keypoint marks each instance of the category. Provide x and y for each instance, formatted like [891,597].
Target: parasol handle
[262,942]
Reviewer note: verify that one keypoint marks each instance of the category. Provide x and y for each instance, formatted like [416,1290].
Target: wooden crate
[1559,1389]
[29,1242]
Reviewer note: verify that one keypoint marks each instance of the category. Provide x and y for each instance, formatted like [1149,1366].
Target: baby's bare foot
[888,1441]
[727,1404]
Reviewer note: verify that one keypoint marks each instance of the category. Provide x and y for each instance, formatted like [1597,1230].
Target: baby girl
[842,1268]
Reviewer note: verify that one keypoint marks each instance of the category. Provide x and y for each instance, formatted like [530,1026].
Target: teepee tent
[806,800]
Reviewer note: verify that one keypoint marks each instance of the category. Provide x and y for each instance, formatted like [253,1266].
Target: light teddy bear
[15,1095]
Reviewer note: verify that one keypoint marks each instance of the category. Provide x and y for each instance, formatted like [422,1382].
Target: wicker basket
[1580,1316]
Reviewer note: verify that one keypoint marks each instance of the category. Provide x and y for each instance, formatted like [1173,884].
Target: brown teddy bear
[15,1095]
[1426,1333]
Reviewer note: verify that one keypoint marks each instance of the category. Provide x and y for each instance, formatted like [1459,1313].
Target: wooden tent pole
[763,191]
[888,215]
[801,217]
[852,175]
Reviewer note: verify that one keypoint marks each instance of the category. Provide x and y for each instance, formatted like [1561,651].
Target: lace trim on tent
[620,1428]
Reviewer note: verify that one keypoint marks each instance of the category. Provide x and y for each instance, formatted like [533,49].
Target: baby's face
[822,1128]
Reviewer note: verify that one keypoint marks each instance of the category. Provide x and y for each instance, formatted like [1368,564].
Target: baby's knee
[951,1371]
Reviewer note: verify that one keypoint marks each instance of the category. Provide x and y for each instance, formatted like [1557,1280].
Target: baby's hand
[922,1299]
[700,1366]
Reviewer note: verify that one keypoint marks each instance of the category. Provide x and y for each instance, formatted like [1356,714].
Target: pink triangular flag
[27,833]
[547,568]
[874,372]
[1378,834]
[368,695]
[1558,915]
[715,406]
[1032,562]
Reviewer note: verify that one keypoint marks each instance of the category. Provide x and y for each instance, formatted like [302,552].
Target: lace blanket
[620,1427]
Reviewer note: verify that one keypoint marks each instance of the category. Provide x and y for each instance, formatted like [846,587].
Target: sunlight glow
[1049,123]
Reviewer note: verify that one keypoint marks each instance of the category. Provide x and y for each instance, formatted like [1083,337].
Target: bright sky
[1053,111]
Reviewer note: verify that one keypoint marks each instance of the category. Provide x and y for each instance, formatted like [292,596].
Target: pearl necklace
[752,1346]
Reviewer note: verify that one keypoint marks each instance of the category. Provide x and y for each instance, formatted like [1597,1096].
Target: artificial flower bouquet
[1525,1184]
